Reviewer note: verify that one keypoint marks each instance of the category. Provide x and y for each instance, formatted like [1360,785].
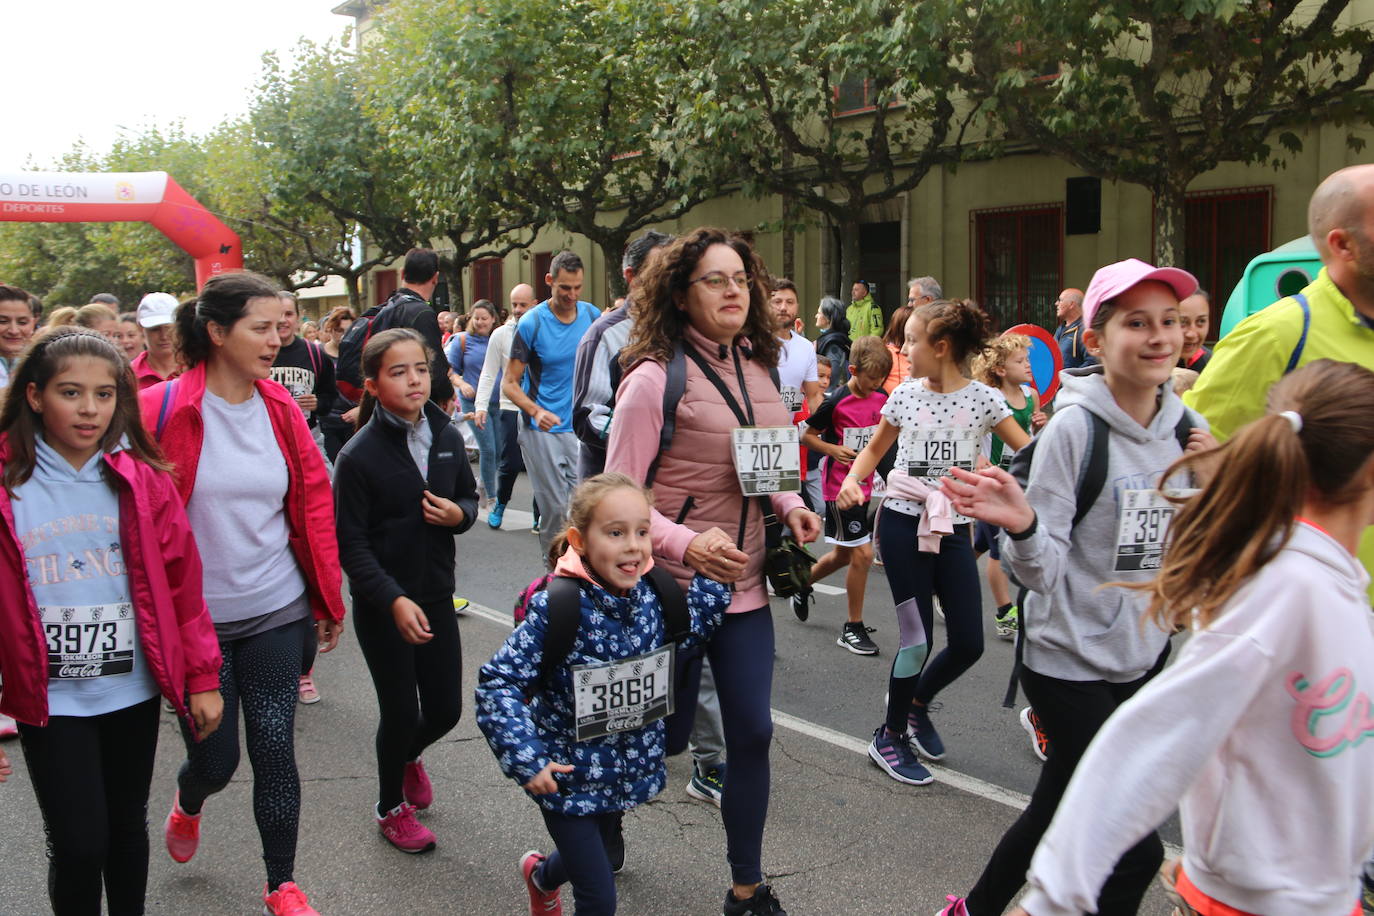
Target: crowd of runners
[683,448]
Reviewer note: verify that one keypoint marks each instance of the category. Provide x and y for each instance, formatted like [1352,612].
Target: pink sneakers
[306,690]
[416,787]
[287,900]
[8,728]
[182,832]
[542,902]
[403,831]
[954,906]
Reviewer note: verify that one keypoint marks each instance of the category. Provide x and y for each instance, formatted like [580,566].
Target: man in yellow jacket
[1337,323]
[865,317]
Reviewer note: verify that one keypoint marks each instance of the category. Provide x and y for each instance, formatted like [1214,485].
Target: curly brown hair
[659,321]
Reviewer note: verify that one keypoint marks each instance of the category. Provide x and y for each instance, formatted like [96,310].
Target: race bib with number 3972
[1142,528]
[767,459]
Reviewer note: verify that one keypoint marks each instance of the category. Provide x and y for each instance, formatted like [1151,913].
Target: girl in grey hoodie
[1085,649]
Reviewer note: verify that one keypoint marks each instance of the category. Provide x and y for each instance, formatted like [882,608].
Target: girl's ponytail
[1316,439]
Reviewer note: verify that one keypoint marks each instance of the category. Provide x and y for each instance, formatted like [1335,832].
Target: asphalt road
[842,837]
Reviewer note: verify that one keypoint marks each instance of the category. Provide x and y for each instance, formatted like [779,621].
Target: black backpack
[1092,477]
[565,615]
[348,373]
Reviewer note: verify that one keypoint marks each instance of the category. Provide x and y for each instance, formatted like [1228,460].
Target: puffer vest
[696,484]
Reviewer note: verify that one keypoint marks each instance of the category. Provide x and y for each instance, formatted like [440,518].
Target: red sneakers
[287,900]
[416,787]
[404,832]
[1040,742]
[542,902]
[182,832]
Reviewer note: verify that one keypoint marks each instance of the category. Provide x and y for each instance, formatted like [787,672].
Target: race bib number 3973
[92,641]
[622,695]
[767,459]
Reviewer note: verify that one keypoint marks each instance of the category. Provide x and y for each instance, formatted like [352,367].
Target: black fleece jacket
[385,545]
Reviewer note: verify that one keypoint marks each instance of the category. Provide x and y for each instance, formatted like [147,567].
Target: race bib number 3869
[767,459]
[622,695]
[92,641]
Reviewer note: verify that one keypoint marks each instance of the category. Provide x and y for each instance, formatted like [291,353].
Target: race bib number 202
[767,459]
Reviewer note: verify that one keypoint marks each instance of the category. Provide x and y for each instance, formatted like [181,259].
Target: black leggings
[260,675]
[91,775]
[915,578]
[512,462]
[419,688]
[1071,713]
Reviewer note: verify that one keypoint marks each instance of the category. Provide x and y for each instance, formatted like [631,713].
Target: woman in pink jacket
[100,612]
[257,494]
[703,307]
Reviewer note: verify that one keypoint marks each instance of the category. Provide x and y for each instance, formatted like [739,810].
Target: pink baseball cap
[1114,279]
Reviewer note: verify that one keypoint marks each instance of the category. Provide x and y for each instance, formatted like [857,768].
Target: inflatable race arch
[112,197]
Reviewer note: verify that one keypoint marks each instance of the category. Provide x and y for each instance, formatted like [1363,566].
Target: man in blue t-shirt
[539,380]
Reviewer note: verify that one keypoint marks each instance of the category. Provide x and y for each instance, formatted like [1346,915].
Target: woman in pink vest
[705,294]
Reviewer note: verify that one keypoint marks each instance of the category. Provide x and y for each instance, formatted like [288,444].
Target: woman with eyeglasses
[704,310]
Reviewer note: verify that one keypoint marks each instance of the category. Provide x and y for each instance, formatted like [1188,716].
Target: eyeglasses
[716,282]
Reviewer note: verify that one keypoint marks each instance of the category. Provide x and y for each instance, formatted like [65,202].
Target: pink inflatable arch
[112,197]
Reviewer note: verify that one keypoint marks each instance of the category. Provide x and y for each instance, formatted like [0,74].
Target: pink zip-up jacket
[164,572]
[309,498]
[696,487]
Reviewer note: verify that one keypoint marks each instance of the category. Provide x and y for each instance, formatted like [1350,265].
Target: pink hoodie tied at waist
[938,519]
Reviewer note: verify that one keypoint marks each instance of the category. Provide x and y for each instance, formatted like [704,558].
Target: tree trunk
[355,296]
[1169,228]
[613,250]
[789,238]
[849,255]
[457,299]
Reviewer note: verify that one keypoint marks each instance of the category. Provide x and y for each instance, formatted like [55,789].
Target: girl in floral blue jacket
[588,745]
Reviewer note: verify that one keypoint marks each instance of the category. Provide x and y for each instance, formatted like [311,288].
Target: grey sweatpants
[551,461]
[708,734]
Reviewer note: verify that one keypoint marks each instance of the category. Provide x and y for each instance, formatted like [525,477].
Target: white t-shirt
[238,512]
[939,429]
[796,366]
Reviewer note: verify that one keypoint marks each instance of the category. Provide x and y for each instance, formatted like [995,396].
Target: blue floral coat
[614,773]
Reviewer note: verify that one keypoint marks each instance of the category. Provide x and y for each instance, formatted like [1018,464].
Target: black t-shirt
[303,368]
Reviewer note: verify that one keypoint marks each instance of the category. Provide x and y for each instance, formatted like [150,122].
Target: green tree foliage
[326,166]
[548,108]
[1157,92]
[757,82]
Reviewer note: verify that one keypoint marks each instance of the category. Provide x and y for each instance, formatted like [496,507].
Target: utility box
[1270,277]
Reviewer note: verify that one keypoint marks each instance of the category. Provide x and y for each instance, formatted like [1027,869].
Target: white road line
[516,520]
[970,784]
[829,589]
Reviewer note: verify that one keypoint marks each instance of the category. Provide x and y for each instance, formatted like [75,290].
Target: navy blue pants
[508,444]
[915,578]
[581,859]
[741,656]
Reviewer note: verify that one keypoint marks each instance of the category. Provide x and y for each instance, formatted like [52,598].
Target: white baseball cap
[157,309]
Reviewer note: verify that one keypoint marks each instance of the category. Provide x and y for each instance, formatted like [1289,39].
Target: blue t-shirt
[466,353]
[548,348]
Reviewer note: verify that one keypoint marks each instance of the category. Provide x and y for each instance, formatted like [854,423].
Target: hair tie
[1293,417]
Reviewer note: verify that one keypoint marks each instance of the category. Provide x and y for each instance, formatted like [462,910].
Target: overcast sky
[85,69]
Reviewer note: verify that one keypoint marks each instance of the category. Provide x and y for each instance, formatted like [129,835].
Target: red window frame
[1026,225]
[486,279]
[867,100]
[386,281]
[1217,247]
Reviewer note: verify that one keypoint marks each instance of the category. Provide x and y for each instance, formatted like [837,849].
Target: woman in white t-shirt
[258,497]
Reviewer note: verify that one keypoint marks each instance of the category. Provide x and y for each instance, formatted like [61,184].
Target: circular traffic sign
[1045,358]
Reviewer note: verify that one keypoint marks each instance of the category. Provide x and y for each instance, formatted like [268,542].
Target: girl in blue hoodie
[585,754]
